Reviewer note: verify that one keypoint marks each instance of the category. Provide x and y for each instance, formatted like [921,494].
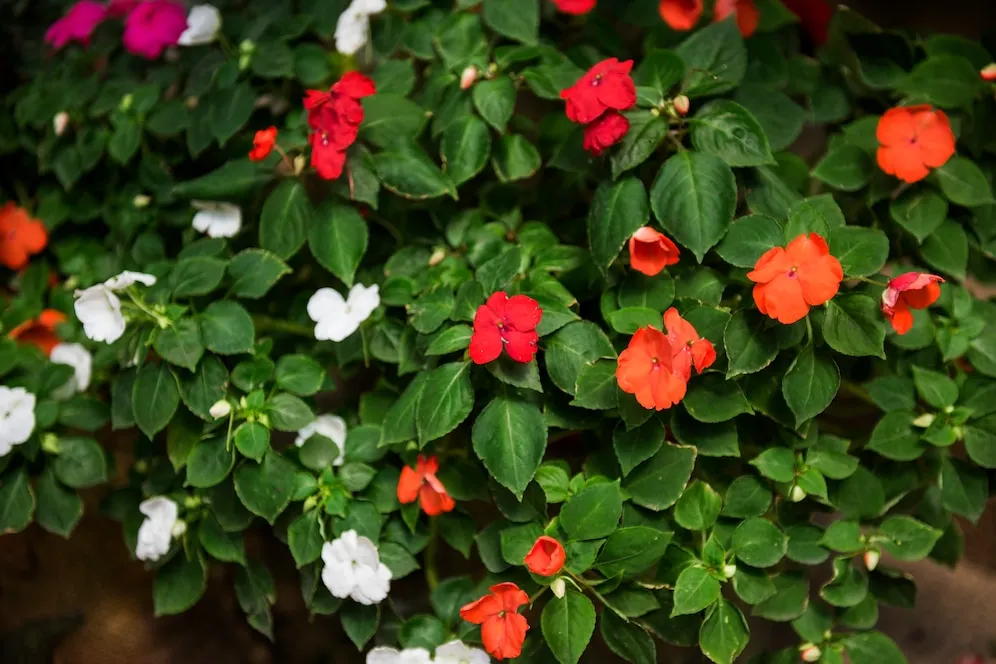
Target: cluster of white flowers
[352,31]
[332,427]
[17,417]
[454,652]
[99,309]
[203,24]
[337,318]
[161,525]
[353,569]
[217,219]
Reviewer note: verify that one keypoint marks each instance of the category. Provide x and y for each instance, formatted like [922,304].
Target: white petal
[203,23]
[339,579]
[383,655]
[363,300]
[414,656]
[160,509]
[457,652]
[99,310]
[371,586]
[217,219]
[336,329]
[326,303]
[17,417]
[127,278]
[79,358]
[366,553]
[156,532]
[332,427]
[352,31]
[369,6]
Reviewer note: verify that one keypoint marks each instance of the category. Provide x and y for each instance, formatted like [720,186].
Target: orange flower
[650,251]
[913,290]
[745,11]
[20,236]
[646,370]
[262,143]
[791,280]
[546,557]
[503,629]
[913,139]
[422,484]
[689,348]
[40,331]
[680,14]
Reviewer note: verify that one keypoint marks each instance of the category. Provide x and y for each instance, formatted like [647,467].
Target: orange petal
[771,264]
[820,279]
[409,485]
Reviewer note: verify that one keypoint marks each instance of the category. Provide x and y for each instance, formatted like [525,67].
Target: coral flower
[77,25]
[503,629]
[791,280]
[20,236]
[988,73]
[651,251]
[505,322]
[814,15]
[546,558]
[689,348]
[152,26]
[262,143]
[913,290]
[605,132]
[646,369]
[913,139]
[745,12]
[421,483]
[575,7]
[40,331]
[605,86]
[680,15]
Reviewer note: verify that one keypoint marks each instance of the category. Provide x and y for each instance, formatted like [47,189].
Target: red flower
[335,117]
[913,139]
[913,290]
[605,132]
[546,557]
[688,347]
[745,12]
[326,158]
[508,322]
[503,629]
[791,280]
[988,73]
[262,143]
[20,236]
[575,7]
[646,369]
[605,86]
[650,251]
[815,16]
[680,14]
[40,331]
[421,483]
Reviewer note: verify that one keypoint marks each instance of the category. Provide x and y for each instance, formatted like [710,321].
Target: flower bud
[988,72]
[468,77]
[797,494]
[179,528]
[60,122]
[681,105]
[126,102]
[729,570]
[299,163]
[141,200]
[559,587]
[50,443]
[220,409]
[244,61]
[810,653]
[924,420]
[872,556]
[437,257]
[247,46]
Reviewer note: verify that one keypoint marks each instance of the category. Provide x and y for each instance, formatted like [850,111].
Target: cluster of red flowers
[596,101]
[334,118]
[505,322]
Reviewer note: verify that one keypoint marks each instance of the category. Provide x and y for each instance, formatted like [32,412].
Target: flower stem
[858,391]
[872,281]
[431,573]
[268,324]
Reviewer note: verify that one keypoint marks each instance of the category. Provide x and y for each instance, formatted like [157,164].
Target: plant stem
[857,391]
[268,324]
[872,281]
[431,573]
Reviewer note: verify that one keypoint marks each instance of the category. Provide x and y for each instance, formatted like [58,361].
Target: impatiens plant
[535,303]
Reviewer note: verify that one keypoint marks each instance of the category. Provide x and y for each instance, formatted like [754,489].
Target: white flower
[221,408]
[156,532]
[352,31]
[60,122]
[99,309]
[17,417]
[332,427]
[457,652]
[203,23]
[80,359]
[384,655]
[337,318]
[217,219]
[353,569]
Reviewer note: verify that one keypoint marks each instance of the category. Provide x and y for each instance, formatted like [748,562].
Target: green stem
[872,281]
[431,573]
[268,324]
[598,595]
[857,391]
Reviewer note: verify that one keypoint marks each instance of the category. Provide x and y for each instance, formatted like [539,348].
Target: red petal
[523,313]
[485,344]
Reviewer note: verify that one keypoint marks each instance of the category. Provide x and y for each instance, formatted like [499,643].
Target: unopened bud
[50,443]
[247,46]
[437,257]
[872,557]
[179,528]
[797,494]
[126,102]
[191,102]
[810,653]
[559,587]
[220,409]
[310,503]
[988,72]
[681,105]
[141,200]
[60,122]
[924,420]
[729,570]
[244,61]
[299,163]
[468,77]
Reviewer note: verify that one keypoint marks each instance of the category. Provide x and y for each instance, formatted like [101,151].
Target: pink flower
[77,25]
[154,25]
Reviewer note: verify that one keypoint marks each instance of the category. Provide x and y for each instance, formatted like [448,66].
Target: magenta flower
[77,25]
[153,26]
